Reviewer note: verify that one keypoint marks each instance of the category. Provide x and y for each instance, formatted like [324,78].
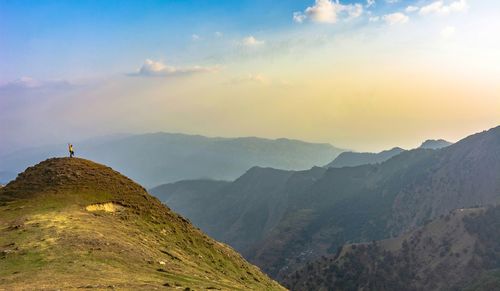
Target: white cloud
[448,32]
[299,17]
[328,11]
[218,34]
[195,37]
[26,82]
[251,41]
[395,18]
[370,3]
[355,11]
[31,83]
[152,68]
[411,9]
[374,19]
[440,8]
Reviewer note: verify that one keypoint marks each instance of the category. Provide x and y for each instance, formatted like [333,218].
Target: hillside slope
[158,158]
[71,223]
[454,252]
[242,212]
[315,212]
[373,202]
[352,159]
[435,144]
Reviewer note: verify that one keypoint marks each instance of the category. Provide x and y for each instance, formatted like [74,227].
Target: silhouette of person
[71,151]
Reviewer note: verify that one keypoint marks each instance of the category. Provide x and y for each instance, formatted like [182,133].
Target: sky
[363,75]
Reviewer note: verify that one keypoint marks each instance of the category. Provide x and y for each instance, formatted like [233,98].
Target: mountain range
[352,159]
[154,159]
[435,144]
[69,223]
[281,220]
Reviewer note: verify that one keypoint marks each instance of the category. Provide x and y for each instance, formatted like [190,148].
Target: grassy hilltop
[72,223]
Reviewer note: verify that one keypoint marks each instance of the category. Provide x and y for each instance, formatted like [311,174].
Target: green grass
[48,239]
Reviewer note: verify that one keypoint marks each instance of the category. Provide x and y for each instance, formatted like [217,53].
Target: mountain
[280,220]
[458,251]
[71,223]
[435,144]
[352,159]
[242,212]
[154,159]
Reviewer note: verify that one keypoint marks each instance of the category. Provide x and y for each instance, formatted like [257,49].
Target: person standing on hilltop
[70,149]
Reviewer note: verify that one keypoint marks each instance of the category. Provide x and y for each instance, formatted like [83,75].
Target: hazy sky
[365,75]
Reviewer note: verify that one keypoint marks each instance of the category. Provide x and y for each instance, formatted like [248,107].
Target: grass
[49,240]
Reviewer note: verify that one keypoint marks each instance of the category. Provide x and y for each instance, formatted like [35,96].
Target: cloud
[152,68]
[31,83]
[251,41]
[440,8]
[218,34]
[374,18]
[370,3]
[395,18]
[411,9]
[195,37]
[299,17]
[448,32]
[328,11]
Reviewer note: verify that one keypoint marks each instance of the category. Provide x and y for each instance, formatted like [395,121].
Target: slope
[321,210]
[373,202]
[352,159]
[72,223]
[244,211]
[435,144]
[454,252]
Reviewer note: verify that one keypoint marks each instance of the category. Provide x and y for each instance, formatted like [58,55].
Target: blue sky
[362,74]
[59,39]
[80,36]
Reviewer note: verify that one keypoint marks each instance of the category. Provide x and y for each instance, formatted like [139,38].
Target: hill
[435,144]
[154,159]
[458,251]
[312,213]
[241,212]
[352,159]
[71,223]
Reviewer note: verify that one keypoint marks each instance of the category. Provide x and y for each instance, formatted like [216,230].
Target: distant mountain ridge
[311,213]
[352,159]
[158,158]
[435,144]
